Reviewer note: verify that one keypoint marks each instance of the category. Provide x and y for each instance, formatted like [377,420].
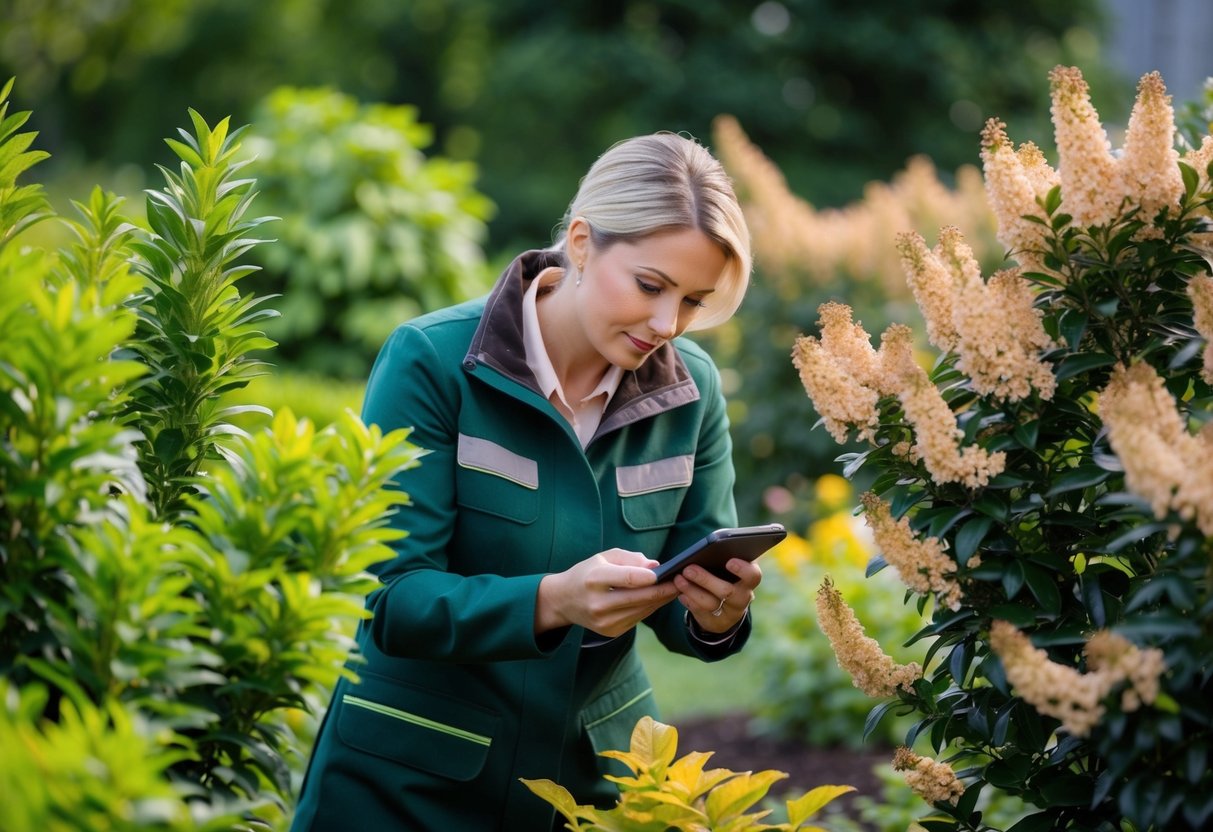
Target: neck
[578,366]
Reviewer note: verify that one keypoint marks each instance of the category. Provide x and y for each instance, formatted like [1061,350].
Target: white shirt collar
[586,418]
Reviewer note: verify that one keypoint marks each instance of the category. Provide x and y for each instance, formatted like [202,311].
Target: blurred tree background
[412,148]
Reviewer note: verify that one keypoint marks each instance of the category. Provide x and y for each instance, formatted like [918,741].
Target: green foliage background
[836,92]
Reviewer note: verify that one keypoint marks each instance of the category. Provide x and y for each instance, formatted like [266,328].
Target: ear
[577,241]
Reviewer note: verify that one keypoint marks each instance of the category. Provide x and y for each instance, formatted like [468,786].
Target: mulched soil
[739,749]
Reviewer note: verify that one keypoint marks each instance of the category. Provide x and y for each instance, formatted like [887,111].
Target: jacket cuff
[703,637]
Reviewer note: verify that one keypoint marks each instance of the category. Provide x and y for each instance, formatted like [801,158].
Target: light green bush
[172,588]
[372,233]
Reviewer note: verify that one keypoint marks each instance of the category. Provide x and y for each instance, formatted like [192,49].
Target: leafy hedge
[169,584]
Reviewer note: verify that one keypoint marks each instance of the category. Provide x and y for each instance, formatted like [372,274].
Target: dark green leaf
[875,564]
[1073,325]
[1133,535]
[876,715]
[1072,365]
[1039,822]
[969,537]
[1191,178]
[1067,789]
[1017,614]
[1012,579]
[1043,585]
[1026,433]
[1077,478]
[168,444]
[944,519]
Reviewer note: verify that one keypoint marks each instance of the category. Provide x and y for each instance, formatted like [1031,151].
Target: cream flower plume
[933,781]
[1090,181]
[1163,462]
[922,564]
[1014,181]
[937,438]
[1149,164]
[1200,290]
[1062,692]
[873,672]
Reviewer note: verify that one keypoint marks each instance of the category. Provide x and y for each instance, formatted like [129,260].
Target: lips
[643,346]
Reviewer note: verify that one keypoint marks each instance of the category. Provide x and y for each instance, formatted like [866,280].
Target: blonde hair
[664,182]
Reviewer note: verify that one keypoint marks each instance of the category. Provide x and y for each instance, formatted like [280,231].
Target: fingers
[716,603]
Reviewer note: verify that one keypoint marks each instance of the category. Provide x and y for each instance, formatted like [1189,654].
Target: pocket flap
[610,718]
[658,475]
[416,727]
[483,455]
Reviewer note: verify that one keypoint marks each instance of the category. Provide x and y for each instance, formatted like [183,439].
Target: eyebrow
[671,280]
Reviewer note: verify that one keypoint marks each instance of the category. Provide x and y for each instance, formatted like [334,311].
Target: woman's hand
[718,605]
[608,593]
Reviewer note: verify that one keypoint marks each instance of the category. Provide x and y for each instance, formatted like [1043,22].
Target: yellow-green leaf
[808,804]
[553,793]
[735,796]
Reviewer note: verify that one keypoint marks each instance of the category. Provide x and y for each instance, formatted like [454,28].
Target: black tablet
[718,548]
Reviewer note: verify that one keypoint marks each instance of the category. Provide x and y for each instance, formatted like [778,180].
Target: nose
[664,322]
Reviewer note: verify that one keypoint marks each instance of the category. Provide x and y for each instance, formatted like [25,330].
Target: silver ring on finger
[720,609]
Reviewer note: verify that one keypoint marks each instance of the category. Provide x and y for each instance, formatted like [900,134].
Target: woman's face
[635,296]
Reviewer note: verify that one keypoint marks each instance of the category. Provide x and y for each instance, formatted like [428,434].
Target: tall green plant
[169,585]
[1048,484]
[196,330]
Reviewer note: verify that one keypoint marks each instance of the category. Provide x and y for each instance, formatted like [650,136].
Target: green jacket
[458,698]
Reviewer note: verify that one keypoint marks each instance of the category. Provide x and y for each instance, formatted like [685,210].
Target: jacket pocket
[609,719]
[415,727]
[496,481]
[650,494]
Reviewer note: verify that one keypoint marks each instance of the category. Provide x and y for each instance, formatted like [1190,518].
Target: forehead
[686,256]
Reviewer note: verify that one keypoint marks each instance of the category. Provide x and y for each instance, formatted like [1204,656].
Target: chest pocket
[651,494]
[495,480]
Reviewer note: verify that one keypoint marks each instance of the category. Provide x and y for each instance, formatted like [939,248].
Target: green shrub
[664,793]
[172,588]
[373,232]
[1044,486]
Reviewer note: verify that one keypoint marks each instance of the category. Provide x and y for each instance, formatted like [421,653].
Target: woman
[573,443]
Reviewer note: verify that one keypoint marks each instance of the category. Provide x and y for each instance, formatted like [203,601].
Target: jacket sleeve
[709,505]
[422,609]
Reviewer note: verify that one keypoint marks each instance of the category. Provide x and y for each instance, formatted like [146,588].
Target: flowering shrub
[1045,489]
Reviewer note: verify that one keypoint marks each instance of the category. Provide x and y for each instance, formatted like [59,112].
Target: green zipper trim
[405,716]
[621,708]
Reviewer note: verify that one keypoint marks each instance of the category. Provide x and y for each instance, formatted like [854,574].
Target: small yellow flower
[833,492]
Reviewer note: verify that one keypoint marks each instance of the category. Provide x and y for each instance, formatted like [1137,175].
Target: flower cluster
[1095,184]
[1116,658]
[993,327]
[933,781]
[845,378]
[871,670]
[922,565]
[1062,692]
[937,438]
[1200,290]
[1163,462]
[793,238]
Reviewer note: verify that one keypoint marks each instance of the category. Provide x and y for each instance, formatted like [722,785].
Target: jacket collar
[659,384]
